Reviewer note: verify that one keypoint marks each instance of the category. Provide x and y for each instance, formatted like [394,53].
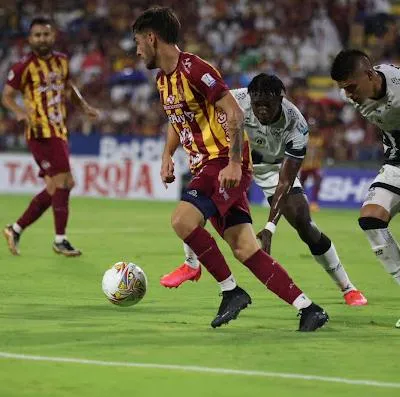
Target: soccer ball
[124,284]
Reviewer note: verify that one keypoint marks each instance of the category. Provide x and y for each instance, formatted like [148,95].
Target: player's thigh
[380,203]
[383,197]
[242,240]
[50,185]
[63,180]
[185,218]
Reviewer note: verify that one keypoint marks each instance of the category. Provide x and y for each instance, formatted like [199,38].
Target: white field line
[73,231]
[198,369]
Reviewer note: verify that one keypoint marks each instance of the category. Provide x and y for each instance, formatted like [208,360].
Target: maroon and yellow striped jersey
[315,153]
[43,84]
[188,96]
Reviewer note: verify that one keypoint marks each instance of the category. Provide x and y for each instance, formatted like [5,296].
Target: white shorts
[267,177]
[385,189]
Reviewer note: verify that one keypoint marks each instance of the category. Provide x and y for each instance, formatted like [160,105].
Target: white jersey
[385,113]
[270,143]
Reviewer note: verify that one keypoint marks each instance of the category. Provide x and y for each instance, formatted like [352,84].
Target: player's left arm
[289,170]
[209,83]
[231,175]
[77,99]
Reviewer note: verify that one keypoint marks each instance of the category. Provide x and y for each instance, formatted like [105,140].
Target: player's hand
[167,171]
[23,116]
[231,175]
[265,236]
[91,112]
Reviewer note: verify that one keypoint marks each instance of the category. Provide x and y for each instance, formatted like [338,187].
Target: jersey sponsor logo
[259,141]
[170,99]
[187,64]
[54,101]
[54,87]
[195,159]
[181,118]
[173,107]
[303,129]
[224,193]
[240,95]
[11,75]
[189,115]
[52,77]
[45,164]
[208,80]
[186,136]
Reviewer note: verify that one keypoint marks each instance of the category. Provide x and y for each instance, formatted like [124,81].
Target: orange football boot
[355,298]
[180,275]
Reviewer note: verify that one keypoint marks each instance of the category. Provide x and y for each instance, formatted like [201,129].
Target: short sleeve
[206,80]
[14,76]
[242,97]
[297,139]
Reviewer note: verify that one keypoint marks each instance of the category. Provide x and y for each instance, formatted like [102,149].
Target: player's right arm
[8,99]
[167,163]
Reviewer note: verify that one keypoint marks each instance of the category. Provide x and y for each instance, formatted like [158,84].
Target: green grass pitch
[53,306]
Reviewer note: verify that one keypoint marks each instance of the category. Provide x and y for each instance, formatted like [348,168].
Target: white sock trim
[386,250]
[17,228]
[301,302]
[191,258]
[229,284]
[60,238]
[331,263]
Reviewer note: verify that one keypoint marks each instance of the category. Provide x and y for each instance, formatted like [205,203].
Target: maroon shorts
[232,204]
[51,155]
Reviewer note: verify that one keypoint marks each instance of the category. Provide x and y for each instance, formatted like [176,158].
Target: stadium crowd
[240,37]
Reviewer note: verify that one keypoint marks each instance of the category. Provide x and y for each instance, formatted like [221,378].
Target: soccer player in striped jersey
[206,119]
[374,91]
[43,79]
[278,136]
[312,164]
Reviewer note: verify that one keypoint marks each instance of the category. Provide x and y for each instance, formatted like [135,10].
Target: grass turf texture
[53,306]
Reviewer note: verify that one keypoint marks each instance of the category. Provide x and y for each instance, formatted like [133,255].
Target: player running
[202,114]
[278,136]
[374,91]
[43,79]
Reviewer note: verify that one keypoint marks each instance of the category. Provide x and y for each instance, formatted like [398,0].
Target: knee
[181,225]
[244,251]
[51,189]
[370,223]
[70,183]
[239,253]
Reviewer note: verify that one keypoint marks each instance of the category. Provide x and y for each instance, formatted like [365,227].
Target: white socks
[191,258]
[331,263]
[301,302]
[229,284]
[60,238]
[17,228]
[386,250]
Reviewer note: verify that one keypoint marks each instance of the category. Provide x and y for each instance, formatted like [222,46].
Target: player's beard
[43,50]
[151,64]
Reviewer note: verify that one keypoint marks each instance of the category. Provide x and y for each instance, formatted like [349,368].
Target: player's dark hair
[346,63]
[160,20]
[266,84]
[41,21]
